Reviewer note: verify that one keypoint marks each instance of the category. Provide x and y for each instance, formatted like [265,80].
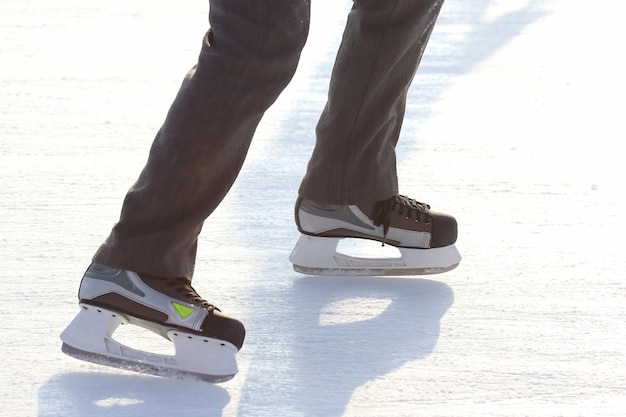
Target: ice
[514,125]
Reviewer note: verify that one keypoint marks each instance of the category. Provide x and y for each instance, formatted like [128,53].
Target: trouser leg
[354,158]
[246,60]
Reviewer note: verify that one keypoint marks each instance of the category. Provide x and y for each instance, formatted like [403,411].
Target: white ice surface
[515,125]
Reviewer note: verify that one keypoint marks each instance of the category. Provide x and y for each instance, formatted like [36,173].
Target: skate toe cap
[444,230]
[220,326]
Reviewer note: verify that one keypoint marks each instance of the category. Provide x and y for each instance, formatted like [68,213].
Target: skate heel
[92,329]
[319,256]
[89,337]
[314,253]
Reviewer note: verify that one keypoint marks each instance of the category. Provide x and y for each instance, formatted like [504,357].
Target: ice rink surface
[515,125]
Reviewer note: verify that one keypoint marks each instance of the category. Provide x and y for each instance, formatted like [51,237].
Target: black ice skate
[424,238]
[205,340]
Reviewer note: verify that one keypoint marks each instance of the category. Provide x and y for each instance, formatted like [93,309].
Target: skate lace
[405,206]
[183,289]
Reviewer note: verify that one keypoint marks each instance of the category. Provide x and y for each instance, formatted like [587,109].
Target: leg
[350,189]
[354,157]
[142,273]
[247,59]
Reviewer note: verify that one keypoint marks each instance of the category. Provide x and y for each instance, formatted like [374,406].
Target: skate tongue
[178,288]
[407,208]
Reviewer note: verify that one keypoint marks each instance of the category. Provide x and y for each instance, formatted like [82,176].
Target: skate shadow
[80,394]
[330,342]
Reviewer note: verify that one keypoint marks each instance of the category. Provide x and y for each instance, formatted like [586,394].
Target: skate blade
[319,256]
[89,337]
[144,368]
[372,271]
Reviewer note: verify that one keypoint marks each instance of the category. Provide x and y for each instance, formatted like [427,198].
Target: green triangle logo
[183,310]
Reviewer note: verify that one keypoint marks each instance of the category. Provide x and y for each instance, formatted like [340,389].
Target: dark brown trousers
[248,57]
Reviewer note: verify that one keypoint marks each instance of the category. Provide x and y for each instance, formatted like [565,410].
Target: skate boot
[424,238]
[205,340]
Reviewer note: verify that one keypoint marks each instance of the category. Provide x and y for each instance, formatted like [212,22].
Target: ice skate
[424,238]
[205,340]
